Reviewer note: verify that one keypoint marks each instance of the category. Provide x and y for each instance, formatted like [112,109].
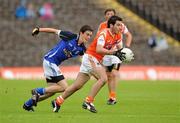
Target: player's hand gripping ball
[120,55]
[125,55]
[35,31]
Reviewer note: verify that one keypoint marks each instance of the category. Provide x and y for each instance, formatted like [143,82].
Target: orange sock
[89,99]
[59,100]
[112,95]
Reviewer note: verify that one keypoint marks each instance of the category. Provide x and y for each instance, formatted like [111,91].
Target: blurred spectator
[21,10]
[46,11]
[161,44]
[152,41]
[30,11]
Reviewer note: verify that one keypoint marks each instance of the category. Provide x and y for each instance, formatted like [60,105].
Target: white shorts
[50,69]
[109,60]
[87,65]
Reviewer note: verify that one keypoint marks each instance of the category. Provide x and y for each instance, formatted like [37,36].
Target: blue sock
[40,91]
[29,103]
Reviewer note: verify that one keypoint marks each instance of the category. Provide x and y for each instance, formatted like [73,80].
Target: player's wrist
[58,32]
[111,52]
[127,46]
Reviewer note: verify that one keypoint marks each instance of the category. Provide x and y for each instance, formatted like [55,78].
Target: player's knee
[103,80]
[112,75]
[62,88]
[65,87]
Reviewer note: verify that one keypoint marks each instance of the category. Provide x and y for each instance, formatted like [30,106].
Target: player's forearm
[128,40]
[119,45]
[104,51]
[49,30]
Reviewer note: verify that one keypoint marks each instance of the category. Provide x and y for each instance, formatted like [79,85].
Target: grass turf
[138,102]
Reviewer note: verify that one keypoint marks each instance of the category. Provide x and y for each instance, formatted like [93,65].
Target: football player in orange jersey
[111,62]
[102,45]
[107,14]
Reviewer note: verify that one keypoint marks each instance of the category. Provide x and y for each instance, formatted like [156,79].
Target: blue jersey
[66,48]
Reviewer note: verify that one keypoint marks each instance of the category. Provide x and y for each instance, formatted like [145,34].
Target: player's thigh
[89,65]
[63,83]
[81,79]
[100,71]
[114,73]
[52,84]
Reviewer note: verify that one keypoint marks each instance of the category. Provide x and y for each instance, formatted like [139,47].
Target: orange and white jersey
[106,39]
[103,25]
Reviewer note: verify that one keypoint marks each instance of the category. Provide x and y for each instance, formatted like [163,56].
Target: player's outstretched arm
[48,30]
[128,39]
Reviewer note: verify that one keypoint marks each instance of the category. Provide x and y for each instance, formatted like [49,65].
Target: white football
[129,55]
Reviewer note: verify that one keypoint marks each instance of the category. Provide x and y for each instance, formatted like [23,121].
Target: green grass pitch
[138,102]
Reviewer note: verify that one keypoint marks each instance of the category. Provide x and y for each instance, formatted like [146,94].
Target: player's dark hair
[108,10]
[112,20]
[86,28]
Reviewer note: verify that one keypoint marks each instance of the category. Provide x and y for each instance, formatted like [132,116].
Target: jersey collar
[82,44]
[110,33]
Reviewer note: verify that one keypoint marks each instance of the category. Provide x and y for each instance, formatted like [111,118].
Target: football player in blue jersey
[70,45]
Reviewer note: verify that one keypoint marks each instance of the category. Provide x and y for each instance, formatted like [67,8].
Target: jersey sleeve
[101,40]
[125,30]
[66,35]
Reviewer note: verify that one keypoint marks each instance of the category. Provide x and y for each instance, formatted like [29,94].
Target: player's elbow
[103,80]
[129,35]
[98,51]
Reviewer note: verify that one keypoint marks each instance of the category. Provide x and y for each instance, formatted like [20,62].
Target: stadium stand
[19,48]
[162,13]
